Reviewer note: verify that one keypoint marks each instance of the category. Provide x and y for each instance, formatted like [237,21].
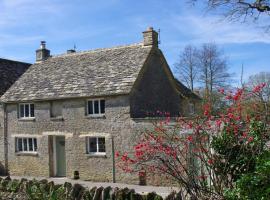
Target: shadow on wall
[2,170]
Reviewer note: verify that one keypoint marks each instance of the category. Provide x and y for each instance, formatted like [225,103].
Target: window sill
[60,118]
[26,153]
[101,116]
[27,119]
[96,155]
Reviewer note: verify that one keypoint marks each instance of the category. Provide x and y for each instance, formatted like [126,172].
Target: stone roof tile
[100,72]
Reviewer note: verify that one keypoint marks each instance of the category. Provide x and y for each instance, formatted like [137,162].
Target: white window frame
[99,114]
[27,145]
[88,145]
[29,110]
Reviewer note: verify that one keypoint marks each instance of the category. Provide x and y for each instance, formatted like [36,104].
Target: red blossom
[210,161]
[218,123]
[245,134]
[221,90]
[117,154]
[141,174]
[190,138]
[250,139]
[258,88]
[124,157]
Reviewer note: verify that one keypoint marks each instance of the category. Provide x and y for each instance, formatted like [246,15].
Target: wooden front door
[60,156]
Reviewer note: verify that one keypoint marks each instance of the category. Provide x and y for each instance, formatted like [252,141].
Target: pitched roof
[100,72]
[10,71]
[186,92]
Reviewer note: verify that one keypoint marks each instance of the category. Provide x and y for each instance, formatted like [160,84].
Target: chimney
[69,51]
[42,53]
[150,37]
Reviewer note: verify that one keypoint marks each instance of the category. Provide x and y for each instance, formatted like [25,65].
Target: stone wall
[75,125]
[155,90]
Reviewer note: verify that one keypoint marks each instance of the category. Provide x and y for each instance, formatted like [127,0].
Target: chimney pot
[150,37]
[43,45]
[42,53]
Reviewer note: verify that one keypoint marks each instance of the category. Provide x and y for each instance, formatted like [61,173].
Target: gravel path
[162,191]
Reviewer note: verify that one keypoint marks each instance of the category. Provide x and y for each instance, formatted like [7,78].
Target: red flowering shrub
[206,154]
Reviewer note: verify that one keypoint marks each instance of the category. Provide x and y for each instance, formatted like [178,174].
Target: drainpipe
[113,161]
[5,138]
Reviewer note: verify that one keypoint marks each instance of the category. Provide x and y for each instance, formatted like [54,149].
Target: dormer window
[26,110]
[96,107]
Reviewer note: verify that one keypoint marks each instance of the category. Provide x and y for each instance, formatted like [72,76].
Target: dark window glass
[90,107]
[102,106]
[35,144]
[19,143]
[24,144]
[96,109]
[101,144]
[92,145]
[30,143]
[32,108]
[21,110]
[26,108]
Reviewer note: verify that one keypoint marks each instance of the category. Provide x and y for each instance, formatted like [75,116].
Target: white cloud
[202,29]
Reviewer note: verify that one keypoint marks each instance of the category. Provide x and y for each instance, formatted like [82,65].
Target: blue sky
[94,24]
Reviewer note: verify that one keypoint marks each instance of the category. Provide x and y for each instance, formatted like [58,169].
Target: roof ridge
[95,50]
[15,61]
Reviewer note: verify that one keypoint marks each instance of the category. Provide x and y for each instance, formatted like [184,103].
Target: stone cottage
[10,71]
[71,112]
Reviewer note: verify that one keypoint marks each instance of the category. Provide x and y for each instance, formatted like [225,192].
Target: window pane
[90,107]
[30,143]
[101,144]
[96,109]
[35,144]
[32,108]
[92,144]
[102,106]
[21,110]
[19,143]
[26,108]
[24,144]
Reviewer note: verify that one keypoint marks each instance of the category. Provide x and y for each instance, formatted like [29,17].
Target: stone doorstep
[162,191]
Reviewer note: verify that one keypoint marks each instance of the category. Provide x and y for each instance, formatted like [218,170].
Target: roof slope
[98,72]
[10,71]
[186,91]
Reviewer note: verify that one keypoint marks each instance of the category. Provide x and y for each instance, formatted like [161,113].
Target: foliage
[208,154]
[255,184]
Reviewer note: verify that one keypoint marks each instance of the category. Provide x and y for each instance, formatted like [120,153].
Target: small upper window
[96,145]
[26,144]
[27,110]
[56,109]
[96,107]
